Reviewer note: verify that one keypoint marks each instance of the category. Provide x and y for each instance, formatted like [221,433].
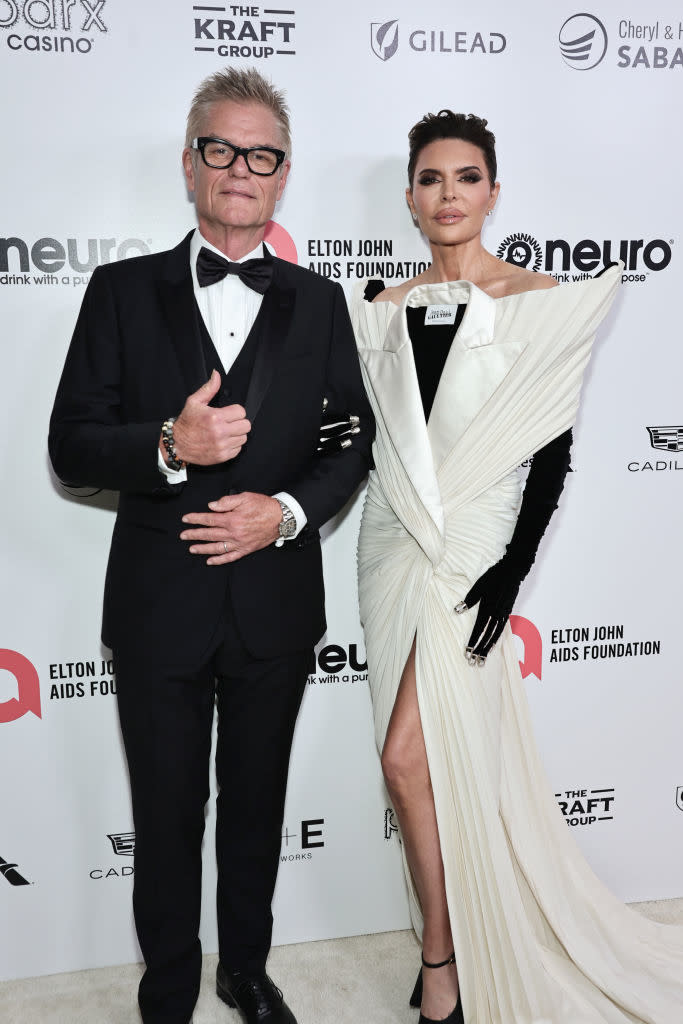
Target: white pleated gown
[538,938]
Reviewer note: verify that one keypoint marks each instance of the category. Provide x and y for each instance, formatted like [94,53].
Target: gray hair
[240,85]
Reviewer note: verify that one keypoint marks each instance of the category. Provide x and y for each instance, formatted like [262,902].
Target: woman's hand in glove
[495,592]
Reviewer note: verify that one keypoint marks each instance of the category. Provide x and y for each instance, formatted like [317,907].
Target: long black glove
[336,430]
[496,590]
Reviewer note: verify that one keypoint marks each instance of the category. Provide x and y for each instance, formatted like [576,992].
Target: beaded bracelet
[168,442]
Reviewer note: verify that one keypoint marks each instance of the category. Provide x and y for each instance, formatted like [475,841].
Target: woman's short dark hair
[447,125]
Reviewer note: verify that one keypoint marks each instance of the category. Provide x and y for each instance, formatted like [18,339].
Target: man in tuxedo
[194,385]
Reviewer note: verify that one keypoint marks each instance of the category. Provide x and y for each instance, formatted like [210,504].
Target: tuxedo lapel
[181,315]
[272,325]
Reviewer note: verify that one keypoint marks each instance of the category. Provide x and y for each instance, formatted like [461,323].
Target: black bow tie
[211,267]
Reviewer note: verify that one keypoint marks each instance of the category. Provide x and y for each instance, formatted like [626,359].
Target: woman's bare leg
[404,763]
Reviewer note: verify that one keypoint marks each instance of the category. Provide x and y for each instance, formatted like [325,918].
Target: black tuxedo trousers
[187,636]
[166,726]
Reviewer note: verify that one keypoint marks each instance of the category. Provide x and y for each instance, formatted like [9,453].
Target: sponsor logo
[583,41]
[44,261]
[355,265]
[236,30]
[679,798]
[384,38]
[69,679]
[651,45]
[59,26]
[665,439]
[9,871]
[281,241]
[123,844]
[391,824]
[337,664]
[649,54]
[521,250]
[575,261]
[596,643]
[586,806]
[668,439]
[299,846]
[532,662]
[28,687]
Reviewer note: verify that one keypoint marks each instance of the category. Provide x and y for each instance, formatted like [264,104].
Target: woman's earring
[489,212]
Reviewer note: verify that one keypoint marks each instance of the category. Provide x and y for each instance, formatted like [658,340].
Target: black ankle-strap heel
[416,997]
[456,1017]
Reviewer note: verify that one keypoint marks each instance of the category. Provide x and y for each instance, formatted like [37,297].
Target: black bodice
[431,345]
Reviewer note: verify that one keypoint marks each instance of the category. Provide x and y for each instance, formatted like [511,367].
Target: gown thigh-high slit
[538,938]
[404,761]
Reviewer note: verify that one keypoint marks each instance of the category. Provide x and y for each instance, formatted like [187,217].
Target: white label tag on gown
[440,315]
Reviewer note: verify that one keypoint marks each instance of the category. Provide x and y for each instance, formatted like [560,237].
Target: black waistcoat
[215,481]
[235,383]
[206,483]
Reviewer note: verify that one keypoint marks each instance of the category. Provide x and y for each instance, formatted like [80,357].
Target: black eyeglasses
[220,154]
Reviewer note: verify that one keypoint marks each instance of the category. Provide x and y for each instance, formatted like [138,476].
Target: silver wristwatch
[287,526]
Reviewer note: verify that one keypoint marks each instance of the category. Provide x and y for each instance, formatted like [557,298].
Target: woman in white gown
[516,927]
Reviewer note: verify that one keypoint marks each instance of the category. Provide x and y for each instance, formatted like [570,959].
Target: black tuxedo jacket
[135,356]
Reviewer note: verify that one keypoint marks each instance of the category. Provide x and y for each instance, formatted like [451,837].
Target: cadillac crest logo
[668,439]
[123,843]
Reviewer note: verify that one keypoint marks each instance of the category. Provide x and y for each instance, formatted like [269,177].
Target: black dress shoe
[258,1000]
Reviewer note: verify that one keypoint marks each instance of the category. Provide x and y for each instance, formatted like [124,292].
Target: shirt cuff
[295,507]
[174,476]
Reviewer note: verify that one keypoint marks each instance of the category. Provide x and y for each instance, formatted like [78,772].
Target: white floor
[363,980]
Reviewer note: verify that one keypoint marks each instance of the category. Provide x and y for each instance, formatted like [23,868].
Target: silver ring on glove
[225,547]
[460,607]
[474,659]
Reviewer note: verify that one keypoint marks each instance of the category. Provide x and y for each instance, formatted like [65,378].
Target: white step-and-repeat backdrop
[586,106]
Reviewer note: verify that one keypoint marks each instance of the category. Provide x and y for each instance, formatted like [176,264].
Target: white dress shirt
[229,309]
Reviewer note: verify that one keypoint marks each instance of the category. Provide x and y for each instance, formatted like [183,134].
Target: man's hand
[237,525]
[206,436]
